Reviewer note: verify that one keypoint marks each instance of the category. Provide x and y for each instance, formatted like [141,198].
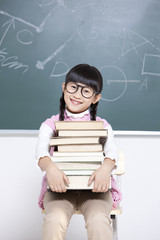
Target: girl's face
[75,102]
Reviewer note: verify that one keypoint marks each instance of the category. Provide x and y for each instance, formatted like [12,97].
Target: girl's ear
[63,86]
[97,98]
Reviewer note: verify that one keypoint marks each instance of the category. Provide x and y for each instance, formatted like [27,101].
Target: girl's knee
[99,226]
[98,219]
[57,219]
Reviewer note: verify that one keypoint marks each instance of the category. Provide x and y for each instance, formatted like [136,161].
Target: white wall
[20,179]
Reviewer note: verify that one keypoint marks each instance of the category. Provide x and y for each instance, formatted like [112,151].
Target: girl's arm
[110,148]
[42,147]
[55,177]
[101,176]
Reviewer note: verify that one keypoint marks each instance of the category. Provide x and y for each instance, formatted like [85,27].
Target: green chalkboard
[41,40]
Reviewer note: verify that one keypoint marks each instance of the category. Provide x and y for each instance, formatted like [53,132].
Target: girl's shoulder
[105,123]
[51,121]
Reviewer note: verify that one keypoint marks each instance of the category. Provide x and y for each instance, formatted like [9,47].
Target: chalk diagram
[114,76]
[117,80]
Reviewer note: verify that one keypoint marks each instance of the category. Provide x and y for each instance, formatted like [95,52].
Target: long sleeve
[42,146]
[110,148]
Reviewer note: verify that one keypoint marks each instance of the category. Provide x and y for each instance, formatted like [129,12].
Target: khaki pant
[59,208]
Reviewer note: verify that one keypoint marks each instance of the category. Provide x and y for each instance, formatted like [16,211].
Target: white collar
[77,115]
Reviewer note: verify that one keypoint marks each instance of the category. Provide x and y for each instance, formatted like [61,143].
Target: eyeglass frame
[78,85]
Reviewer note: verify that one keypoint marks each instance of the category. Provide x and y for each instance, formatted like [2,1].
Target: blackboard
[41,40]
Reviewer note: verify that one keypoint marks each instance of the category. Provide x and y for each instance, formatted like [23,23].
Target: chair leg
[114,225]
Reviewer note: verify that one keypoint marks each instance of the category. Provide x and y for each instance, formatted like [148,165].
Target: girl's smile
[75,102]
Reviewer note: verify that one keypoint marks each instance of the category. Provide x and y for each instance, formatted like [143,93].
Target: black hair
[88,75]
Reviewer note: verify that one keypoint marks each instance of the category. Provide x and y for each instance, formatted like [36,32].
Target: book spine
[77,159]
[79,172]
[77,166]
[83,133]
[78,154]
[81,147]
[79,183]
[74,140]
[78,125]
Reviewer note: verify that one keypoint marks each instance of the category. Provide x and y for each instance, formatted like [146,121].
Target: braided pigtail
[62,108]
[93,111]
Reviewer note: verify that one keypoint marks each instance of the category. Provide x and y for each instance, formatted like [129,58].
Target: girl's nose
[77,94]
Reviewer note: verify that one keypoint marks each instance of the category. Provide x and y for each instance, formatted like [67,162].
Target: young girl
[81,94]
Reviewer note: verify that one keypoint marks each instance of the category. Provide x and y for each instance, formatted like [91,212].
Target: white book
[79,183]
[78,154]
[77,166]
[54,141]
[83,133]
[78,159]
[81,148]
[78,172]
[78,125]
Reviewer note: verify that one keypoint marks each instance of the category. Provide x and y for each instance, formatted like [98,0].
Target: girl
[81,94]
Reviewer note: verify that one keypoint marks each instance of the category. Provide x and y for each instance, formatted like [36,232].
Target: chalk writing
[144,84]
[11,62]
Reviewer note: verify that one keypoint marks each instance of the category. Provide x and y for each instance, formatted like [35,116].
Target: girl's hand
[56,178]
[101,176]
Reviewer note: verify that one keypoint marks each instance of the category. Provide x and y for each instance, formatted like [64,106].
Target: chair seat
[114,211]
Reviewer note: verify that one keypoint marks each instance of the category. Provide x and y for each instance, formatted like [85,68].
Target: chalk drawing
[23,34]
[11,62]
[46,3]
[43,23]
[109,81]
[121,74]
[132,41]
[41,64]
[83,6]
[61,65]
[10,23]
[37,28]
[94,33]
[13,18]
[151,61]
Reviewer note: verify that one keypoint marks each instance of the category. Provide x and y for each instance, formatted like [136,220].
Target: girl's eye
[86,91]
[73,86]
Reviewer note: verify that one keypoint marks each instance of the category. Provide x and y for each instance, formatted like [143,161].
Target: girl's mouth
[75,102]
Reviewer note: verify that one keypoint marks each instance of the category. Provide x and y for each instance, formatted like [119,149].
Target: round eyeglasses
[87,92]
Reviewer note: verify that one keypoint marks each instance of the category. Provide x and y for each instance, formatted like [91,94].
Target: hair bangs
[87,75]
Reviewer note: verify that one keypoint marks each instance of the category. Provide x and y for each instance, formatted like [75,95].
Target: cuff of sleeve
[112,157]
[41,156]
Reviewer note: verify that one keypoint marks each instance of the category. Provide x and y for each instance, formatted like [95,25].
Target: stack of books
[79,150]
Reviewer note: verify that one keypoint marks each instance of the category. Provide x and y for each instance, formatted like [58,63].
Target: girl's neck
[77,115]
